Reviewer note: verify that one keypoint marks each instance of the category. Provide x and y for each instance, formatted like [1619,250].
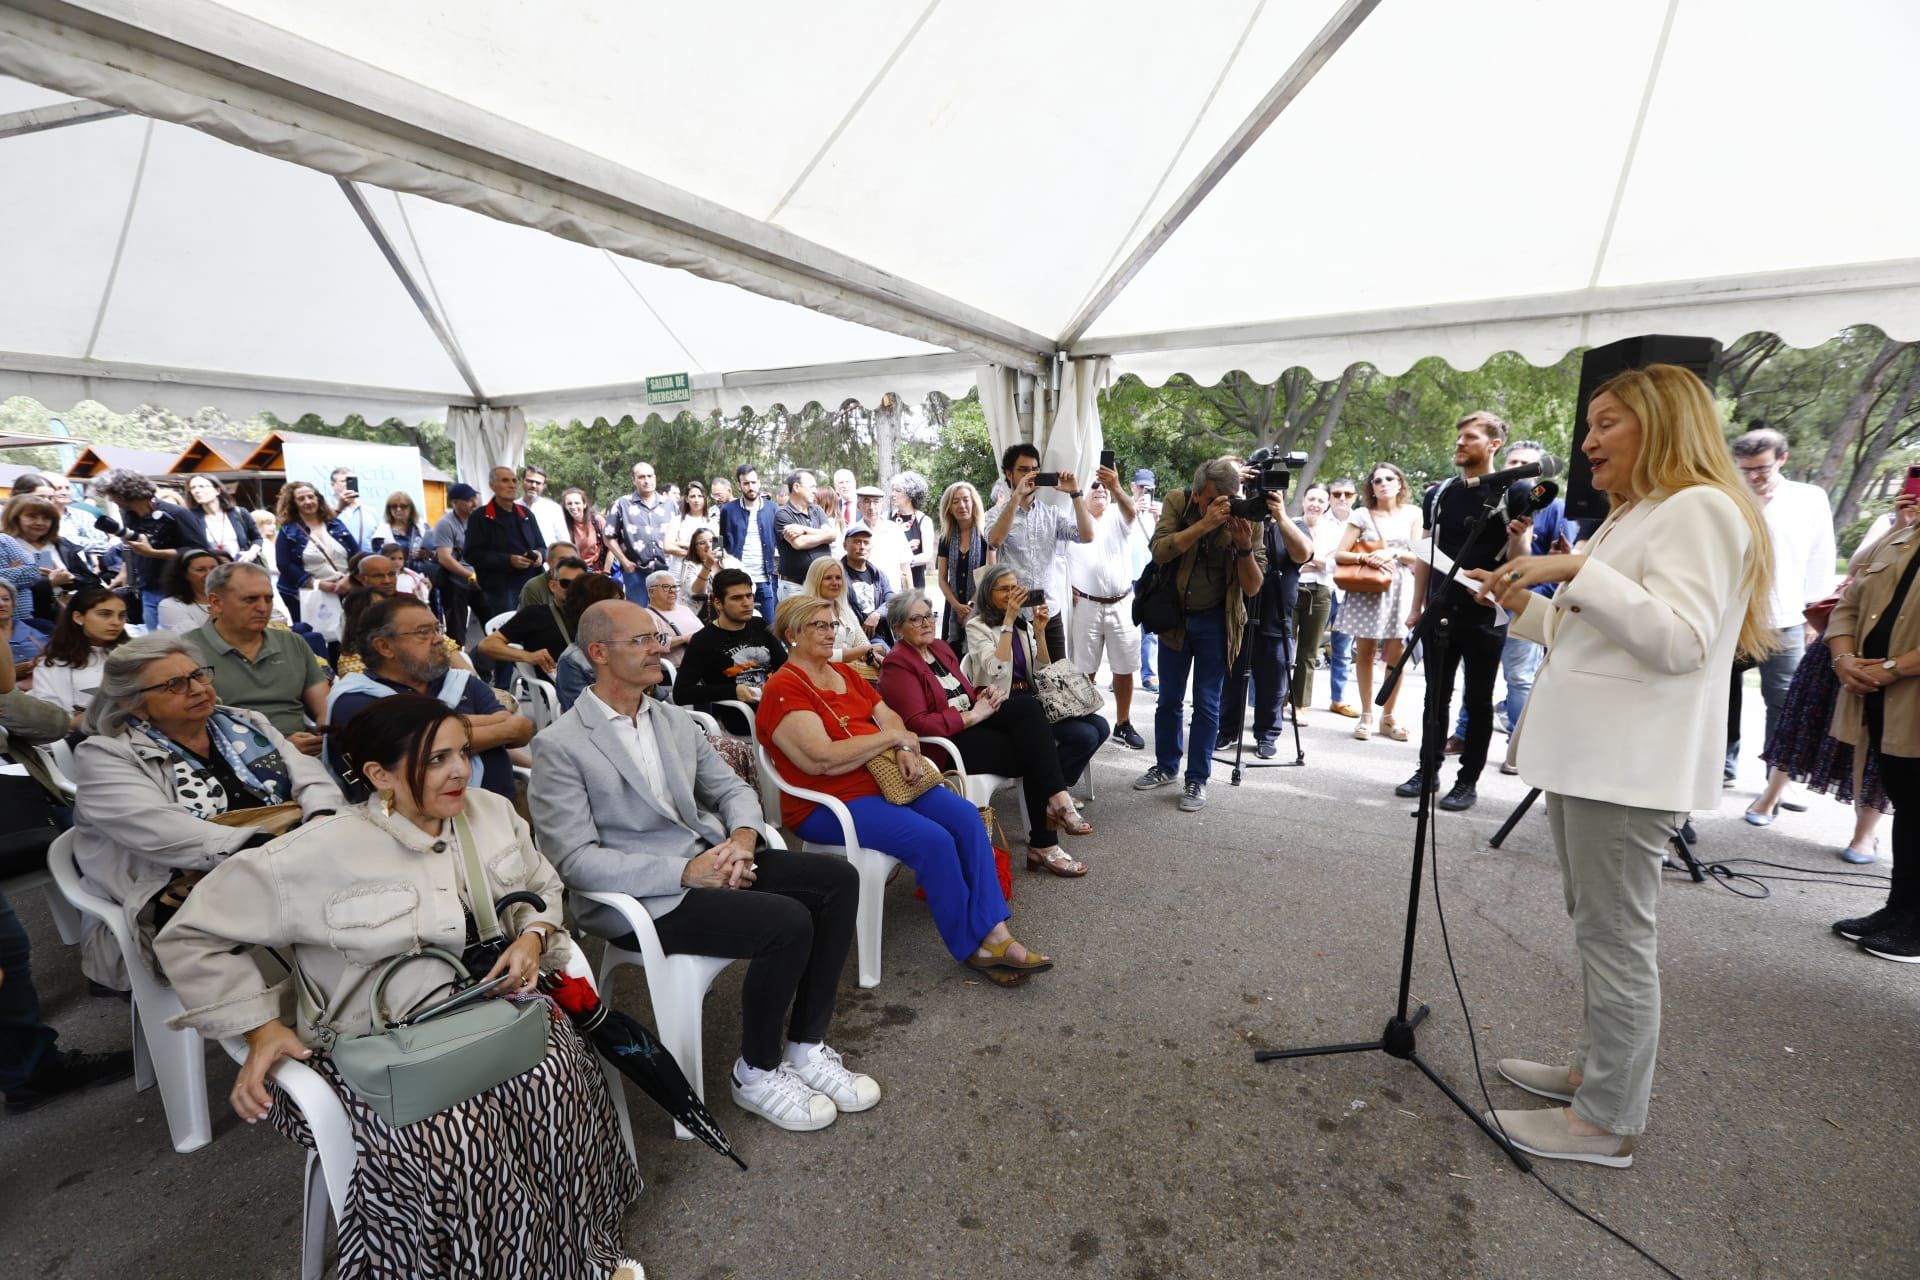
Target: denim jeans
[767,593]
[1776,676]
[1340,658]
[25,1038]
[1519,664]
[1148,643]
[1205,656]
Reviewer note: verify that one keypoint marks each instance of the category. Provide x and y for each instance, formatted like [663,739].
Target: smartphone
[353,485]
[460,999]
[1106,458]
[1046,479]
[1911,488]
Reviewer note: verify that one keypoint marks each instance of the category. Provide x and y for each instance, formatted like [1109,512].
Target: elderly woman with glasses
[675,618]
[922,681]
[820,724]
[167,782]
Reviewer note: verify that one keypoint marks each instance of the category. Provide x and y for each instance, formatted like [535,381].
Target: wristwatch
[1891,666]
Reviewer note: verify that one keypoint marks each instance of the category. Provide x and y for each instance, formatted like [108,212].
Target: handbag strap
[479,896]
[826,712]
[374,1010]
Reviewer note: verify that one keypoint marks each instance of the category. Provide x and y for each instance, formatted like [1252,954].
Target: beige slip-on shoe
[1537,1077]
[1545,1134]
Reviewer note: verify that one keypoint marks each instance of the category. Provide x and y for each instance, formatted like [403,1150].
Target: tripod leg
[1513,819]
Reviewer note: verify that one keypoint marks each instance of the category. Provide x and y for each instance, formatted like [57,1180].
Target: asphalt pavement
[1109,1120]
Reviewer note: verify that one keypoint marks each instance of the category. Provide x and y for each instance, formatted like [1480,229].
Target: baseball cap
[1143,477]
[462,493]
[858,528]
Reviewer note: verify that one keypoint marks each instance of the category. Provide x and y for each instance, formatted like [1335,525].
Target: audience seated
[537,634]
[677,622]
[631,798]
[354,606]
[939,835]
[730,658]
[528,1177]
[921,680]
[258,666]
[1003,652]
[33,522]
[163,768]
[184,606]
[26,636]
[827,580]
[402,650]
[573,672]
[92,624]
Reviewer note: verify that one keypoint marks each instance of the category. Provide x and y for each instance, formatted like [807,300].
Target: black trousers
[1901,774]
[1017,742]
[1478,648]
[1262,661]
[793,927]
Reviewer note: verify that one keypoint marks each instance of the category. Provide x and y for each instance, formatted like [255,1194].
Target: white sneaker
[783,1098]
[824,1072]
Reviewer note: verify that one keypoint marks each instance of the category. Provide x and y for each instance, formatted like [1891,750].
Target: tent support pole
[17,124]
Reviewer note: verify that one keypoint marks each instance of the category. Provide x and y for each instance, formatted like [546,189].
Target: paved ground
[1109,1120]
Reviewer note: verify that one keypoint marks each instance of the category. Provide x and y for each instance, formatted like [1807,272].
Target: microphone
[1547,466]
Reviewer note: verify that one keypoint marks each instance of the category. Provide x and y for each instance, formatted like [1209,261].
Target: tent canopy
[396,208]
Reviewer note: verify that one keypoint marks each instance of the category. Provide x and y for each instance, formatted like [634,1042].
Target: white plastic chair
[334,1155]
[176,1060]
[539,700]
[66,921]
[677,984]
[497,621]
[980,787]
[872,865]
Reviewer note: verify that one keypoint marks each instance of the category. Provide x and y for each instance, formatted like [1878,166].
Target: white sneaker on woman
[823,1071]
[781,1097]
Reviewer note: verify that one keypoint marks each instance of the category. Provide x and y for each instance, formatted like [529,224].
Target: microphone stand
[1399,1039]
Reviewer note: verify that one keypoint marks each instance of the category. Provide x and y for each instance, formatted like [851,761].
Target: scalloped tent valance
[360,207]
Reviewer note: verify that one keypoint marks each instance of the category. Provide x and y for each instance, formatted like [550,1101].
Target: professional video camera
[1267,472]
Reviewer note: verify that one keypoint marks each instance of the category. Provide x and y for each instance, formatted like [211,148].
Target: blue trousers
[1340,663]
[25,1038]
[942,838]
[1205,656]
[1519,663]
[1776,677]
[150,607]
[1147,645]
[766,591]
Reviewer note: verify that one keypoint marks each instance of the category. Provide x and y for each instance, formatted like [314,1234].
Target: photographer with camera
[1265,659]
[1028,534]
[1210,566]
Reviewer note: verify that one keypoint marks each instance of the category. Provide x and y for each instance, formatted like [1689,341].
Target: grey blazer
[603,832]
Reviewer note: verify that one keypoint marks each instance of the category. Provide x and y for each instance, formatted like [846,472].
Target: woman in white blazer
[1625,728]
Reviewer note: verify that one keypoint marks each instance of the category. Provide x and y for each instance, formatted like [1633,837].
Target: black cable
[1479,1072]
[1721,870]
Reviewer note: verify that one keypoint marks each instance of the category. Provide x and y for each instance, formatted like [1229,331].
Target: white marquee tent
[463,207]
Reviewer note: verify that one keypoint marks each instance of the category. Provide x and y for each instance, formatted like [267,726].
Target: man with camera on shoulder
[1209,565]
[1265,658]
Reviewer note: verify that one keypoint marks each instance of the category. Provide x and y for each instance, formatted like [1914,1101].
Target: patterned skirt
[1380,615]
[1802,746]
[529,1178]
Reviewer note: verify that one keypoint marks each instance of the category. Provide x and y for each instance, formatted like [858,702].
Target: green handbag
[418,1069]
[409,1072]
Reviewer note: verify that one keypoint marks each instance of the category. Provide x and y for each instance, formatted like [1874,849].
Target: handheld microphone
[1546,467]
[1534,499]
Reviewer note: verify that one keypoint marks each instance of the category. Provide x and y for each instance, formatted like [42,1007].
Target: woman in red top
[921,680]
[820,724]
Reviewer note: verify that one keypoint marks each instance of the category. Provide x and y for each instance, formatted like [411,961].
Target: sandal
[1069,821]
[1001,978]
[998,959]
[1056,861]
[1393,729]
[1364,729]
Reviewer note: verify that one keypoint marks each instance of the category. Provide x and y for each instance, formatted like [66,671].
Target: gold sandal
[998,959]
[1393,729]
[1056,861]
[1364,729]
[1068,820]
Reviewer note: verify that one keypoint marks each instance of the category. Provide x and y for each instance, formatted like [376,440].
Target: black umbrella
[622,1040]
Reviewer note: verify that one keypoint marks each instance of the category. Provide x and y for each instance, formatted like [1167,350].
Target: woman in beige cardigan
[541,1177]
[1874,636]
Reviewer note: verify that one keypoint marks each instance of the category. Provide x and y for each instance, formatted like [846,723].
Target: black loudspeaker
[1584,502]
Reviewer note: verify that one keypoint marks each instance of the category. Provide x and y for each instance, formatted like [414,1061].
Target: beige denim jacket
[339,898]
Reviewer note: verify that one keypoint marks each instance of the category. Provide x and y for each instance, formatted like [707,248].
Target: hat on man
[857,529]
[462,493]
[869,491]
[1143,478]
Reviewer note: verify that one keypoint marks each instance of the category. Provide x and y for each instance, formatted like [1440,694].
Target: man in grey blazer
[630,797]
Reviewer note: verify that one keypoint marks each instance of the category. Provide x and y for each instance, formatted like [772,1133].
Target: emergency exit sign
[669,388]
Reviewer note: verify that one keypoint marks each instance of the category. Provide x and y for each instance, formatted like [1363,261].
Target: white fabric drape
[1069,439]
[484,438]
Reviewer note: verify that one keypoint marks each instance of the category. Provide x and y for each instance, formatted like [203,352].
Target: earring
[386,802]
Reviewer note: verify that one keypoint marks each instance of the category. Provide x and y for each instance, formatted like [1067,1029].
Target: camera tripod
[1243,670]
[1682,841]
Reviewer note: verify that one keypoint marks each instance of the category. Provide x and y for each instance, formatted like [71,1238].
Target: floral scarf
[252,756]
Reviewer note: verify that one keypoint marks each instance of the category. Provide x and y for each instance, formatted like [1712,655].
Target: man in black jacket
[731,657]
[504,545]
[1264,658]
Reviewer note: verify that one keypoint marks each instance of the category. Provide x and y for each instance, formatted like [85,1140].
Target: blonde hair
[1682,445]
[948,525]
[793,613]
[844,616]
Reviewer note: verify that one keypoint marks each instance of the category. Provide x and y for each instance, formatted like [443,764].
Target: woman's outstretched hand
[266,1044]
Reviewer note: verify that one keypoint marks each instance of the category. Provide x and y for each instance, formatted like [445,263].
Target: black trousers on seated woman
[1017,741]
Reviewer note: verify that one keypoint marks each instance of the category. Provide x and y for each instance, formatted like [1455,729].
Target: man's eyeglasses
[1764,469]
[180,684]
[641,640]
[435,632]
[1340,493]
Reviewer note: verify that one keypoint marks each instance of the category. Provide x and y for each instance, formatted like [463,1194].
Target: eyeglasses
[917,619]
[180,684]
[434,632]
[1341,493]
[1386,480]
[1764,469]
[641,639]
[821,625]
[666,586]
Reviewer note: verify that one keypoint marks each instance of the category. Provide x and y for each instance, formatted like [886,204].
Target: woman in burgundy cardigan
[921,681]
